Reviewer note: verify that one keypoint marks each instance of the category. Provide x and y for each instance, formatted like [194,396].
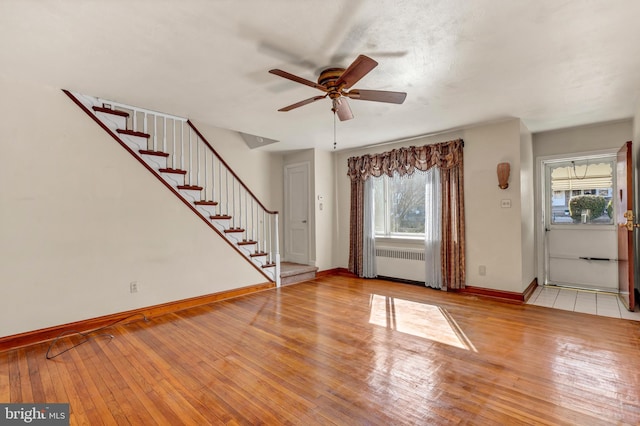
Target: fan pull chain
[334,130]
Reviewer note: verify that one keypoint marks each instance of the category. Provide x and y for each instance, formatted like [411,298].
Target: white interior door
[580,231]
[296,214]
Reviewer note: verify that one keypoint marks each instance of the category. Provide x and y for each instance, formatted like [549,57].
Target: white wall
[583,138]
[80,219]
[325,209]
[494,234]
[527,194]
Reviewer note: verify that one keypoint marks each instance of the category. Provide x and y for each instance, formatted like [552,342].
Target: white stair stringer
[137,143]
[190,195]
[172,178]
[206,211]
[113,122]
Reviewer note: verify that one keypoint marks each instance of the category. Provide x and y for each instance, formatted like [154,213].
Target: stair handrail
[195,129]
[204,140]
[270,241]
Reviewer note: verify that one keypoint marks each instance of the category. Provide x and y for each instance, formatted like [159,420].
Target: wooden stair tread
[269,265]
[156,153]
[110,111]
[288,269]
[134,133]
[230,230]
[175,171]
[220,216]
[205,203]
[191,187]
[246,243]
[258,254]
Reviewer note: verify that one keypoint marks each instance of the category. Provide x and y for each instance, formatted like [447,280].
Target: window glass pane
[582,192]
[406,204]
[378,204]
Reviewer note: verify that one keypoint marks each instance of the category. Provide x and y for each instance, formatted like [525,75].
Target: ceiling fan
[336,82]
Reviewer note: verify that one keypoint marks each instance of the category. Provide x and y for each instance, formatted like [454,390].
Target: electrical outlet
[482,270]
[133,286]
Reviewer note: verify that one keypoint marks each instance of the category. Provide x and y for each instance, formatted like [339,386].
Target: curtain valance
[405,161]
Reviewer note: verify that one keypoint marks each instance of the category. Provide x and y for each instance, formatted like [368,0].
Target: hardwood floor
[340,350]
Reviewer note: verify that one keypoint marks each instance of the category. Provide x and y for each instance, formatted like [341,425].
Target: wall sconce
[503,175]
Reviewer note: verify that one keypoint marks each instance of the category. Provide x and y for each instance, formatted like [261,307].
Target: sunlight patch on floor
[418,319]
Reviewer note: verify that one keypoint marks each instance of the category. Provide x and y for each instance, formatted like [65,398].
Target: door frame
[310,219]
[541,208]
[626,238]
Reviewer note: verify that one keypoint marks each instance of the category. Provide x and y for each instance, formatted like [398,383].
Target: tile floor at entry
[588,302]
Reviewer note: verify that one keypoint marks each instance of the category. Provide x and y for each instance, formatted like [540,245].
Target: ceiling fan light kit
[336,82]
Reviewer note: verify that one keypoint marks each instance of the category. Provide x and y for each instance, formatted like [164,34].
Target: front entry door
[625,218]
[296,217]
[580,237]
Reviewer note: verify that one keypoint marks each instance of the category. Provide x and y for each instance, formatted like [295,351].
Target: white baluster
[213,177]
[198,160]
[164,134]
[190,158]
[277,243]
[239,205]
[264,232]
[206,182]
[144,123]
[270,242]
[226,183]
[173,151]
[182,145]
[155,132]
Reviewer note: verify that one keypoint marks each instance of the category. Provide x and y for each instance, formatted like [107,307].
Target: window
[399,207]
[581,191]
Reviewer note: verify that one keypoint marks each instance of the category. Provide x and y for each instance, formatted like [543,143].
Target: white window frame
[387,234]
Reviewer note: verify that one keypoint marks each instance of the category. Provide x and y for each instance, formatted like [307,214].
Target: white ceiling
[552,63]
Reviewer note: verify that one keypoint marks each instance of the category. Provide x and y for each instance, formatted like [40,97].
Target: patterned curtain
[453,240]
[447,156]
[356,227]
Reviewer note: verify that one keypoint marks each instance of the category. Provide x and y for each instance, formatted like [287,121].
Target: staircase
[179,156]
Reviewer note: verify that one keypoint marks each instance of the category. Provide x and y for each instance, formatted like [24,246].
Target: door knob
[629,225]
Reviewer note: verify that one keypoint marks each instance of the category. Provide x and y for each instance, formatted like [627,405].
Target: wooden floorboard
[344,351]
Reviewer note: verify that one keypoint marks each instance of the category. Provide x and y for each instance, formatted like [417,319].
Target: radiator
[401,263]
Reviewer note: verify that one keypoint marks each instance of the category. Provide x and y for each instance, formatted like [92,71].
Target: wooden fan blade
[377,95]
[297,79]
[358,69]
[342,109]
[302,103]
